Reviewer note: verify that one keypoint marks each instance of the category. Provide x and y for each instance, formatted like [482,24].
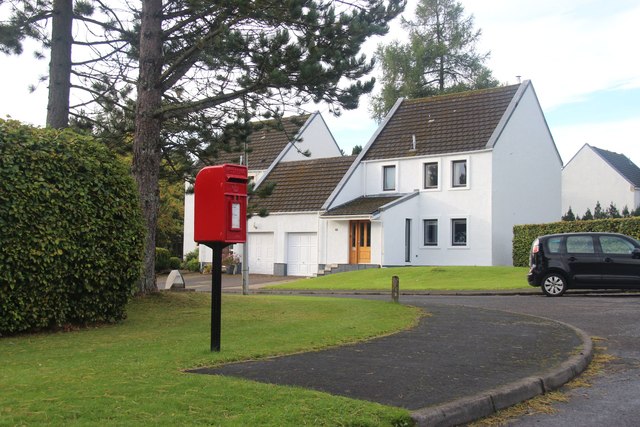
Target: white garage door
[260,253]
[302,254]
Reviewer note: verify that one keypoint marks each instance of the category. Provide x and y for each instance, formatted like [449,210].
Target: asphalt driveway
[614,398]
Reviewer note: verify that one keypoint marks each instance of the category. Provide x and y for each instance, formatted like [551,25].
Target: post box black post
[216,295]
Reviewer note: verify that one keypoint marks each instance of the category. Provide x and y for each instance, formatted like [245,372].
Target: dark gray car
[584,261]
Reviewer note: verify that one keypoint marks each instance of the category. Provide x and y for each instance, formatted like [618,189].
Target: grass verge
[131,373]
[418,278]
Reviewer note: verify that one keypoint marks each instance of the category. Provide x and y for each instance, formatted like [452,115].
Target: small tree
[598,213]
[636,212]
[569,216]
[356,150]
[625,212]
[587,215]
[613,212]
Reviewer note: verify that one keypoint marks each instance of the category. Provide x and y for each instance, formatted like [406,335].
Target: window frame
[466,175]
[386,168]
[425,227]
[424,175]
[453,232]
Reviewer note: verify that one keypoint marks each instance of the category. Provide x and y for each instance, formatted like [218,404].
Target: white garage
[302,254]
[260,253]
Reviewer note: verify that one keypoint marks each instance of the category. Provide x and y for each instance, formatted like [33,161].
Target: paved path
[456,352]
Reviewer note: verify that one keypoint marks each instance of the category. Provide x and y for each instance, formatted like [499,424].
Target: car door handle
[572,259]
[607,259]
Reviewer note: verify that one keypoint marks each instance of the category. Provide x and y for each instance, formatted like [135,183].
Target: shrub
[524,235]
[162,259]
[191,261]
[174,263]
[71,232]
[192,265]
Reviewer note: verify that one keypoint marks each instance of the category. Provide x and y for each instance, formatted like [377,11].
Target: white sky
[581,56]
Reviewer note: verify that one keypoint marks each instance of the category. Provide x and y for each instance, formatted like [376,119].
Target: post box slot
[237,179]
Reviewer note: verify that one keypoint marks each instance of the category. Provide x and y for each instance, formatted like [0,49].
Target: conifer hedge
[71,232]
[524,235]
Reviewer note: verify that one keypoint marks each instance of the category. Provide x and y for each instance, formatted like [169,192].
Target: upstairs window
[431,175]
[459,173]
[388,178]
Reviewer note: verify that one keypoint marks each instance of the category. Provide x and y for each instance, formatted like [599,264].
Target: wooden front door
[359,242]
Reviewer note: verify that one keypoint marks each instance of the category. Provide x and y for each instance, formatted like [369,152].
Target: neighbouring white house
[444,180]
[595,175]
[292,138]
[292,239]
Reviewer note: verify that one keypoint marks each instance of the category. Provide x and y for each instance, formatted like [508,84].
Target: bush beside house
[524,235]
[71,233]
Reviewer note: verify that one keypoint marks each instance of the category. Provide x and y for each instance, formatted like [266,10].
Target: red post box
[221,204]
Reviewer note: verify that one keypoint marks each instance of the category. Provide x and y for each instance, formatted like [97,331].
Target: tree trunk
[147,144]
[60,64]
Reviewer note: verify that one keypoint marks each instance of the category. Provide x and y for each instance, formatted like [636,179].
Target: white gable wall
[316,138]
[526,176]
[588,178]
[352,188]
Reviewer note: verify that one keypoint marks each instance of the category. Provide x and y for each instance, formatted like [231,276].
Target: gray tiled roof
[622,164]
[303,186]
[366,205]
[451,123]
[266,142]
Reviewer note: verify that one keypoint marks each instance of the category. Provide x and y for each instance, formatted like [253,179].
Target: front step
[341,268]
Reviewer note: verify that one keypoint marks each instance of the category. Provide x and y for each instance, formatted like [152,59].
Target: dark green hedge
[524,235]
[71,233]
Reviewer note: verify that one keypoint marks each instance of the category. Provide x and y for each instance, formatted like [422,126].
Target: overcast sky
[581,56]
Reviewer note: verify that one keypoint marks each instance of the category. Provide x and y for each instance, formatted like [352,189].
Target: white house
[596,175]
[290,139]
[444,180]
[441,182]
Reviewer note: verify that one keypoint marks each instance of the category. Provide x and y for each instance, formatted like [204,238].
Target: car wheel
[554,285]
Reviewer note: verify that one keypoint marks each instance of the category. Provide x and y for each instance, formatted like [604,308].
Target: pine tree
[569,216]
[613,212]
[587,215]
[625,212]
[598,213]
[439,56]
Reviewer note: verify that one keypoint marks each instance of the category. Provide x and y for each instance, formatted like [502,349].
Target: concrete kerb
[486,403]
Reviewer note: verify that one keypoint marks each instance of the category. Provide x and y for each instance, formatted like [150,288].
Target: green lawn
[419,278]
[131,373]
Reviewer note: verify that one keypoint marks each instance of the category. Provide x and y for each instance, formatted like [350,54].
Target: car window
[615,245]
[553,245]
[580,245]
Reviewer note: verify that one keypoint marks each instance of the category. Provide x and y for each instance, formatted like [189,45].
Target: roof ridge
[462,94]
